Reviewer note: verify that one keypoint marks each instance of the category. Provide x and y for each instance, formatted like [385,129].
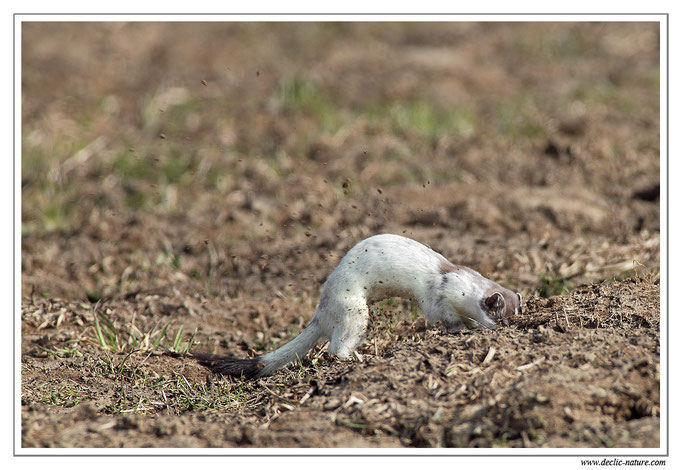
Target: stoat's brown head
[501,303]
[496,304]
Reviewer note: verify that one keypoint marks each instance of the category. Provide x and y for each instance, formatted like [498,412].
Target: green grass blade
[98,332]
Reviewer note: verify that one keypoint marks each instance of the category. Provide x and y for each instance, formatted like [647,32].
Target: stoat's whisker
[472,319]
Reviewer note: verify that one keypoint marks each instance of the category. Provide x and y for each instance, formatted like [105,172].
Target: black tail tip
[232,366]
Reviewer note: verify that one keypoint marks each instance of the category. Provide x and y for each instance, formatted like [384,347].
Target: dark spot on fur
[430,285]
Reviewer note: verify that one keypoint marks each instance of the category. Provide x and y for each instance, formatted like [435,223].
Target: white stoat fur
[376,268]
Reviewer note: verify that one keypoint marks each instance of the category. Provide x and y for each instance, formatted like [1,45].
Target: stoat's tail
[267,364]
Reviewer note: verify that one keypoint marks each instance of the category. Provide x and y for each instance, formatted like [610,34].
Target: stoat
[376,268]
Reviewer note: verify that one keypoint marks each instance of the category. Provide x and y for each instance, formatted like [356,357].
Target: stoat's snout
[518,309]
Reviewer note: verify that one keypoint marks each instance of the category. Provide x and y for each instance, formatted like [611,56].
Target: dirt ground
[188,187]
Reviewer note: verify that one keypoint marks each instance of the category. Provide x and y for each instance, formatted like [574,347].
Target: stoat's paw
[343,355]
[451,327]
[454,328]
[350,356]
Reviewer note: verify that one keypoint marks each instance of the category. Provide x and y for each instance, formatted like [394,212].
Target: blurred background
[226,158]
[190,186]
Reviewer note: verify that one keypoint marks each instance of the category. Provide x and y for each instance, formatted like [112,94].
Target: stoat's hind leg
[350,331]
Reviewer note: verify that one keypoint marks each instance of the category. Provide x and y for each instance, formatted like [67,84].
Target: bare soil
[196,183]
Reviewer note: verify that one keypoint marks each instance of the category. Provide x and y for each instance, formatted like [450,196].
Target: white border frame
[662,19]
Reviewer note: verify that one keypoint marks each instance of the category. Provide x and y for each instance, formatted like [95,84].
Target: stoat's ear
[495,305]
